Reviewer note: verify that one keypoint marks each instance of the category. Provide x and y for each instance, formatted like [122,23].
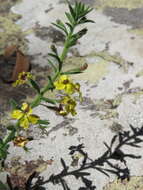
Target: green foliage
[35,85]
[76,16]
[3,186]
[14,104]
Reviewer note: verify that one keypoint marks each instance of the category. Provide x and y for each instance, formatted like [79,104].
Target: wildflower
[20,141]
[23,77]
[65,83]
[25,116]
[69,106]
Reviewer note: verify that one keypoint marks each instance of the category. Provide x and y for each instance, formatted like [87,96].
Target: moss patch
[135,183]
[138,31]
[6,5]
[129,4]
[93,73]
[117,59]
[10,33]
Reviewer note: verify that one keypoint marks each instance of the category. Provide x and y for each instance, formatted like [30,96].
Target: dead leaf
[10,50]
[14,56]
[22,64]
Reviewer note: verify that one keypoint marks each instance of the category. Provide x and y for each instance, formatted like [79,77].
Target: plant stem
[66,48]
[37,99]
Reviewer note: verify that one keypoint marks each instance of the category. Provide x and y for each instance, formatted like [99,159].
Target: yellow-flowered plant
[23,78]
[25,116]
[58,80]
[68,106]
[20,141]
[65,83]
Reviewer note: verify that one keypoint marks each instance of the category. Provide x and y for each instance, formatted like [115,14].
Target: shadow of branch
[109,158]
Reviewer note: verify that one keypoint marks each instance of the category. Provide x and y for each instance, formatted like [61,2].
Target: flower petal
[33,118]
[24,122]
[24,106]
[69,88]
[17,114]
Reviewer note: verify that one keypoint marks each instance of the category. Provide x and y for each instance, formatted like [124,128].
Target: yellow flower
[69,106]
[20,141]
[25,116]
[23,77]
[65,83]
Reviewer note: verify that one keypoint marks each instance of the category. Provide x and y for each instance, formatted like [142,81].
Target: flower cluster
[69,106]
[66,84]
[20,141]
[57,80]
[25,116]
[68,102]
[23,77]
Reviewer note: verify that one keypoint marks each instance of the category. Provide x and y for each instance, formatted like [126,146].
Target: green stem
[36,101]
[66,47]
[10,137]
[38,98]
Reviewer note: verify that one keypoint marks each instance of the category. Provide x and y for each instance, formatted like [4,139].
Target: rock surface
[112,85]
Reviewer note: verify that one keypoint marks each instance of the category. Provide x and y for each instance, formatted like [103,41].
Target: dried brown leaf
[22,64]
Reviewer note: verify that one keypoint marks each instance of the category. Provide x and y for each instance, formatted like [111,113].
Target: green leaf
[69,17]
[91,21]
[60,25]
[81,33]
[44,122]
[10,127]
[35,85]
[10,136]
[43,126]
[3,186]
[76,10]
[54,49]
[72,71]
[76,36]
[14,104]
[3,153]
[82,8]
[53,66]
[72,11]
[70,26]
[51,83]
[36,103]
[1,144]
[55,56]
[51,101]
[72,42]
[26,149]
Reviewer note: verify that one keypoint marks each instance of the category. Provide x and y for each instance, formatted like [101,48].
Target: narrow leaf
[53,66]
[35,85]
[3,186]
[51,101]
[72,11]
[14,104]
[69,17]
[69,25]
[59,27]
[44,122]
[51,83]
